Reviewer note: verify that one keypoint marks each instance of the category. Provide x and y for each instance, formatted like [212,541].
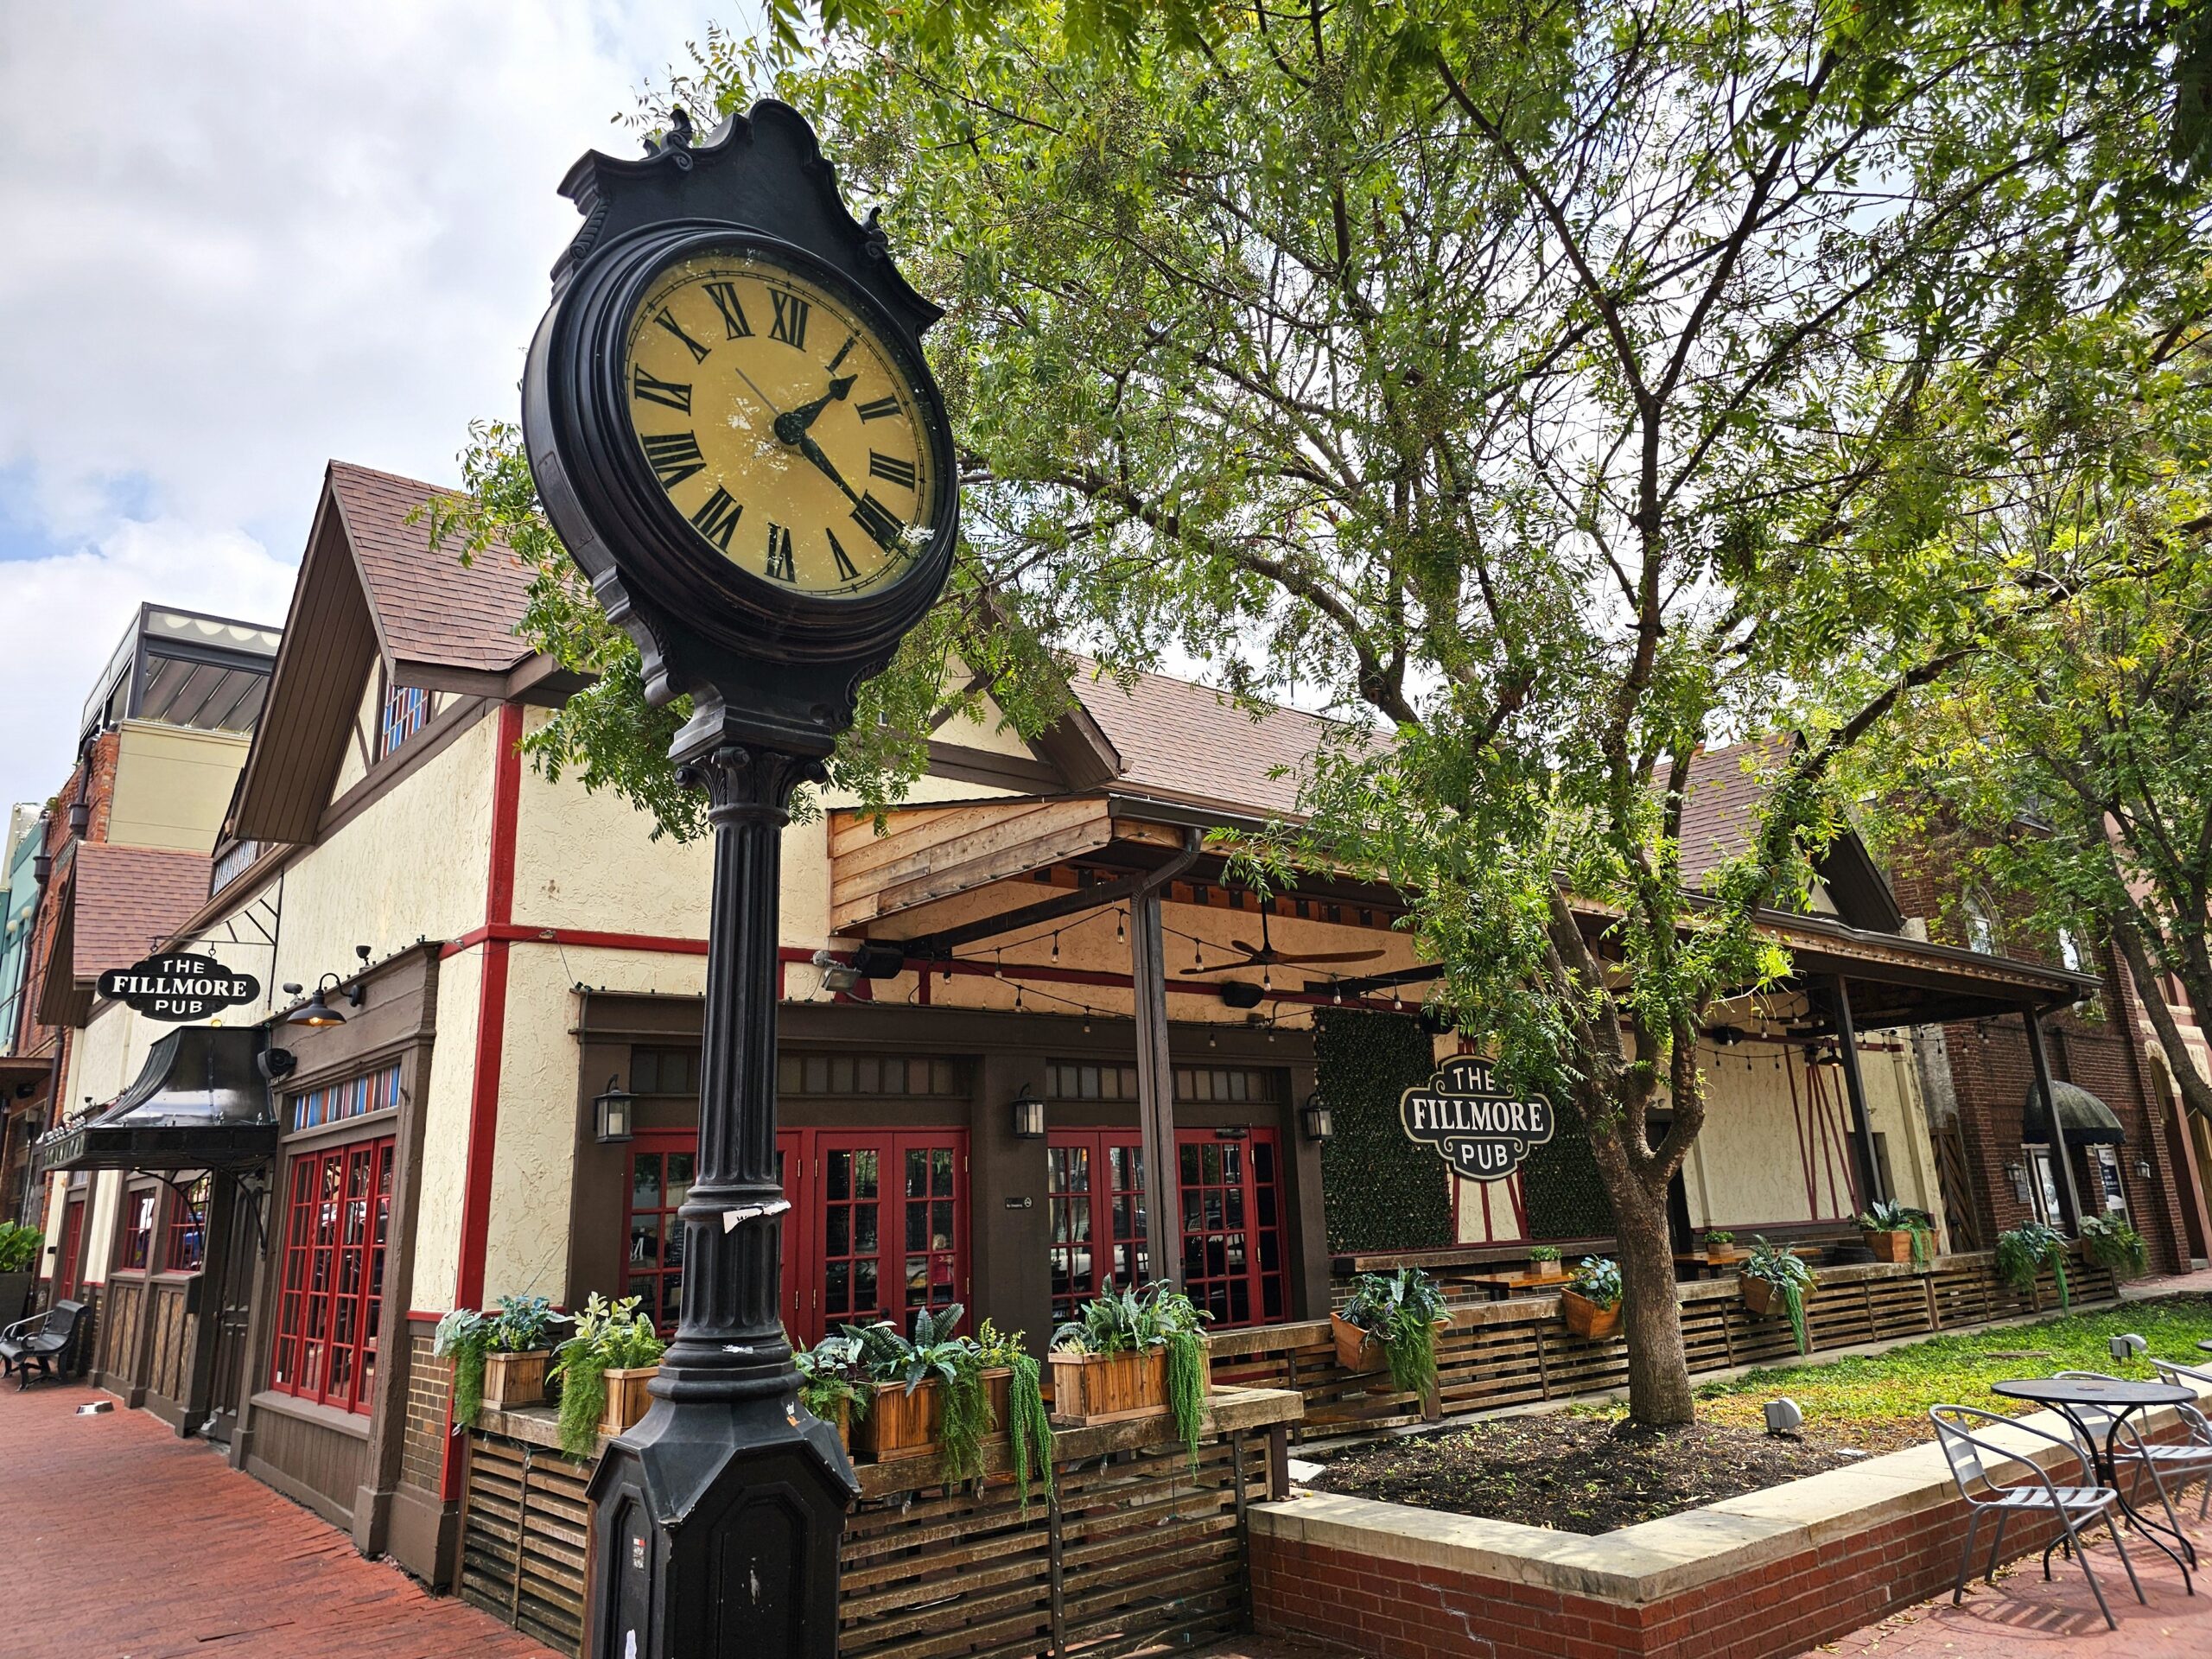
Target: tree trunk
[2195,1090]
[1658,1367]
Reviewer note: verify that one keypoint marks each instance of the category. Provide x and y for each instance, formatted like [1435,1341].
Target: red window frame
[184,1241]
[337,1224]
[832,1226]
[134,1249]
[653,1234]
[1095,1214]
[1231,1226]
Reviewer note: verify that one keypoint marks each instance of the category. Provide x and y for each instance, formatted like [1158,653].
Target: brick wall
[430,1394]
[1382,1609]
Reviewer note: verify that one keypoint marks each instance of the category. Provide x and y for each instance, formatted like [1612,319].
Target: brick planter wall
[1763,1576]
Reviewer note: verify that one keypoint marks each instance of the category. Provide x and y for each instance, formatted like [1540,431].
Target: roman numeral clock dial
[779,423]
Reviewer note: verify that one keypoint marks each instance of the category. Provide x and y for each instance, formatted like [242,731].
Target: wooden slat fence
[1137,1553]
[1518,1352]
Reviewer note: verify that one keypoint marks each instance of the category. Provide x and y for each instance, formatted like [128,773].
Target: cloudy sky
[244,239]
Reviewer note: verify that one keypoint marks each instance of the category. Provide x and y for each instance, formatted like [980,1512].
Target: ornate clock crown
[764,170]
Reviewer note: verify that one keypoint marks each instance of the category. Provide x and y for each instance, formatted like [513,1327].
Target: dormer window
[1980,919]
[2073,955]
[406,707]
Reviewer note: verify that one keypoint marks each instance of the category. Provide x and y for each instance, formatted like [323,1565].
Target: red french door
[1094,1201]
[73,1249]
[877,1226]
[1232,1225]
[1230,1229]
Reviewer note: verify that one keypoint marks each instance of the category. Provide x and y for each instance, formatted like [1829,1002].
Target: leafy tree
[1530,379]
[2073,767]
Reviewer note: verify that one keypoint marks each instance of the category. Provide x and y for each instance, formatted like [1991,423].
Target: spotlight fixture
[611,1112]
[277,1063]
[837,976]
[1028,1116]
[1783,1416]
[2126,1346]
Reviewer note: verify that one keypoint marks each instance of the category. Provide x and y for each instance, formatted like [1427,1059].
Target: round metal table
[2068,1396]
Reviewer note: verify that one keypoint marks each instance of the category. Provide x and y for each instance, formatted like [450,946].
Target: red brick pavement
[121,1541]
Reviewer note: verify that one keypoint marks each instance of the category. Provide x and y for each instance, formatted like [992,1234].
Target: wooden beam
[1872,1189]
[1156,1068]
[2060,1153]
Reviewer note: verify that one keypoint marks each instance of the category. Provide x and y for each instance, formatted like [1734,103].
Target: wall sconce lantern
[1316,1118]
[316,1010]
[2019,1174]
[2143,1168]
[611,1112]
[41,868]
[1028,1117]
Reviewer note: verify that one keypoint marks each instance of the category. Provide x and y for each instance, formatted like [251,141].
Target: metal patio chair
[43,1340]
[1965,1451]
[2200,1429]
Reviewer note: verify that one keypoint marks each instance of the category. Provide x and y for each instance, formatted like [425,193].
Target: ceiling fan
[1264,955]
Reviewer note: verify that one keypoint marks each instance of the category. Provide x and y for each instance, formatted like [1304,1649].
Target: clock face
[778,422]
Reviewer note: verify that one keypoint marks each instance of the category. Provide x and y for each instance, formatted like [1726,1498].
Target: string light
[1056,945]
[1121,929]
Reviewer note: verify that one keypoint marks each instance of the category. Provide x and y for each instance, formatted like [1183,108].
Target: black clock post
[717,1520]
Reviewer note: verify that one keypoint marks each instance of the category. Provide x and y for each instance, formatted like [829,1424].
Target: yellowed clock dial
[777,423]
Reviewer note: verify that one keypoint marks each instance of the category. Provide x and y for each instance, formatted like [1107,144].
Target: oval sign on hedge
[179,986]
[1482,1133]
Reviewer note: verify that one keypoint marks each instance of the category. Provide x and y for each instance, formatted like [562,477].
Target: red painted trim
[490,1035]
[511,933]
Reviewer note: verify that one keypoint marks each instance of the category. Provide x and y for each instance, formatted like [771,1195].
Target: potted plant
[462,1339]
[1898,1234]
[19,1250]
[603,1369]
[2022,1253]
[932,1395]
[1772,1276]
[1028,1425]
[1131,1354]
[1719,1246]
[2110,1243]
[1543,1260]
[833,1384]
[519,1346]
[1592,1300]
[1391,1323]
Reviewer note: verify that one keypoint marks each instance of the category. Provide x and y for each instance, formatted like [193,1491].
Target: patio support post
[2060,1153]
[1871,1192]
[1155,1067]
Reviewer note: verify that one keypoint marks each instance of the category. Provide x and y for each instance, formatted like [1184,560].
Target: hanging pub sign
[179,986]
[1482,1133]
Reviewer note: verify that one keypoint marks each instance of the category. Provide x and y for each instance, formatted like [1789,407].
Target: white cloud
[73,608]
[244,239]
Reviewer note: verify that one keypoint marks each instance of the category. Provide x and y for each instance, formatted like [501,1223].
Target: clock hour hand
[793,423]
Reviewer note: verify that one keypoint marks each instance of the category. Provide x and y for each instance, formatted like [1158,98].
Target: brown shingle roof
[1192,743]
[128,900]
[428,607]
[1721,806]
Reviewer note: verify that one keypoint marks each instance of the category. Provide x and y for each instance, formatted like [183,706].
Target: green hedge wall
[1379,1190]
[1560,1185]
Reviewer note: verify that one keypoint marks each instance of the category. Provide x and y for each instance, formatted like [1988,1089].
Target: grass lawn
[1879,1403]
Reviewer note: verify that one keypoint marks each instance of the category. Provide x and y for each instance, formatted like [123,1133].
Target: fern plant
[2024,1251]
[955,1364]
[1401,1311]
[610,1336]
[1888,1217]
[1130,1321]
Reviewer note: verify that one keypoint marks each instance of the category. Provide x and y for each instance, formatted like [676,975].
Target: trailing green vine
[462,1337]
[1032,1429]
[610,1336]
[2023,1252]
[1186,1388]
[1786,1272]
[1401,1311]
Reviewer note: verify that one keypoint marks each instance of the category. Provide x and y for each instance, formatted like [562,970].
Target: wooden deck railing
[1518,1352]
[1135,1551]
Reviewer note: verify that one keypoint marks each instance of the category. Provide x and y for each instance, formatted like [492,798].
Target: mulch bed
[1572,1473]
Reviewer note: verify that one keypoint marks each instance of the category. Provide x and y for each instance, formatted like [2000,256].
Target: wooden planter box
[1719,1255]
[512,1380]
[1888,1246]
[1760,1295]
[627,1398]
[1358,1348]
[1092,1389]
[899,1425]
[1586,1319]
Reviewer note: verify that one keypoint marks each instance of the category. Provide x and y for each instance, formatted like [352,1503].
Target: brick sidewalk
[123,1542]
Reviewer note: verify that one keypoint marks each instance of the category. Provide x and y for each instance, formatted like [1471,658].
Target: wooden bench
[42,1340]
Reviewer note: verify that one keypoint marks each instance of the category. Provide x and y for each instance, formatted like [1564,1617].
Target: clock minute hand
[815,452]
[792,425]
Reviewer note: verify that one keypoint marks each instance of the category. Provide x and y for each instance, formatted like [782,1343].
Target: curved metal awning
[199,1104]
[2087,1121]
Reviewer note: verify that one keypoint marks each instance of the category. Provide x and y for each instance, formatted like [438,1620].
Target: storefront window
[184,1246]
[1232,1227]
[356,1096]
[1095,1200]
[330,1294]
[137,1229]
[2106,1163]
[660,1180]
